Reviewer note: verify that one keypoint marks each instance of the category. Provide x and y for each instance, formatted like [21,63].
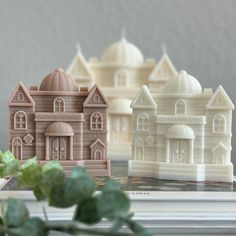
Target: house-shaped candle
[60,121]
[120,72]
[182,132]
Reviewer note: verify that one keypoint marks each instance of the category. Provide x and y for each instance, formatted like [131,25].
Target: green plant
[49,183]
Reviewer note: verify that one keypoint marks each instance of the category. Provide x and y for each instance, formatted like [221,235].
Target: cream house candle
[120,72]
[182,132]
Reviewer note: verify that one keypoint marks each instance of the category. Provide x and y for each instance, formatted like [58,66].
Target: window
[96,98]
[20,97]
[143,122]
[120,78]
[20,120]
[28,139]
[219,100]
[96,121]
[180,107]
[219,125]
[143,100]
[139,149]
[59,104]
[17,147]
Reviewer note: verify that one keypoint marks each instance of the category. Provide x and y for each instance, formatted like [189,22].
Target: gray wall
[38,36]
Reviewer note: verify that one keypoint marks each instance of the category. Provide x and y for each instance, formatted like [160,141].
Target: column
[71,148]
[81,140]
[47,148]
[191,151]
[167,150]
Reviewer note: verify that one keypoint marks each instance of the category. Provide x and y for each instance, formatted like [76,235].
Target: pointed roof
[89,101]
[79,68]
[30,101]
[143,99]
[98,141]
[220,146]
[220,100]
[156,74]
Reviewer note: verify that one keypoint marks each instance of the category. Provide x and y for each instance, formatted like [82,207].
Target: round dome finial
[58,80]
[183,83]
[59,70]
[123,34]
[183,72]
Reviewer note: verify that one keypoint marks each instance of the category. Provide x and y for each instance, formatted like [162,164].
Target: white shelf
[165,213]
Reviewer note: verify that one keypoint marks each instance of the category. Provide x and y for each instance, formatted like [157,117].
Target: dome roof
[58,80]
[120,106]
[180,132]
[183,83]
[123,52]
[59,129]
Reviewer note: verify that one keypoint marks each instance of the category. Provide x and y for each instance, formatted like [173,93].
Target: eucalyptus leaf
[31,173]
[16,213]
[114,204]
[7,157]
[2,170]
[54,164]
[78,189]
[38,193]
[1,225]
[9,165]
[51,177]
[57,197]
[78,171]
[112,185]
[34,227]
[88,211]
[11,168]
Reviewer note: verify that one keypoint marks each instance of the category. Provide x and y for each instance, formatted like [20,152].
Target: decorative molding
[45,116]
[170,119]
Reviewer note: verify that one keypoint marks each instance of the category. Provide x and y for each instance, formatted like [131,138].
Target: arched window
[143,100]
[17,147]
[96,121]
[96,98]
[139,149]
[20,120]
[97,155]
[142,122]
[20,97]
[59,104]
[219,124]
[120,78]
[180,107]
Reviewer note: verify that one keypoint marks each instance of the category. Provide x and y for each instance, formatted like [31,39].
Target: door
[59,148]
[98,155]
[120,129]
[219,159]
[179,150]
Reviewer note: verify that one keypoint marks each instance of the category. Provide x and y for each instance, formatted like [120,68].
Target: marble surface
[119,172]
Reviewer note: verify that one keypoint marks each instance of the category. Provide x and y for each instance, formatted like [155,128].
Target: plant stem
[74,229]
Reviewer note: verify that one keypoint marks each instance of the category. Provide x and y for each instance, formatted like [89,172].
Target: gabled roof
[89,101]
[79,68]
[220,101]
[220,146]
[98,141]
[164,62]
[28,102]
[143,99]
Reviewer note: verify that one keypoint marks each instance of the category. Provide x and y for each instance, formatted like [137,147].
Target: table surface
[119,172]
